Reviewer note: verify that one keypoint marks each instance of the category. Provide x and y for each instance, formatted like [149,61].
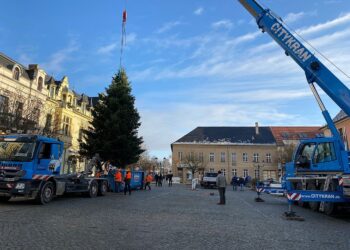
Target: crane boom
[314,70]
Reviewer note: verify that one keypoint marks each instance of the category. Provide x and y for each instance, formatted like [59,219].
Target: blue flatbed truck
[30,167]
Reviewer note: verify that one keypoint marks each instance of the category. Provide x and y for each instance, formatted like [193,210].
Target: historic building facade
[240,151]
[31,101]
[258,152]
[342,123]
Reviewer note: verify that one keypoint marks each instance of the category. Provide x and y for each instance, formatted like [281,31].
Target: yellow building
[31,101]
[236,151]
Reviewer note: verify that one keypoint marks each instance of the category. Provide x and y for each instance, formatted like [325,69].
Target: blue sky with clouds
[191,63]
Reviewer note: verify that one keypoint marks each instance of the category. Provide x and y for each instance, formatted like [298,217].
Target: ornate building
[31,101]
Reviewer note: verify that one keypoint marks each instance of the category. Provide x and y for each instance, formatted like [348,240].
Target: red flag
[124,16]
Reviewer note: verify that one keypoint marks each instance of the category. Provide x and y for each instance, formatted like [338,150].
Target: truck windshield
[16,151]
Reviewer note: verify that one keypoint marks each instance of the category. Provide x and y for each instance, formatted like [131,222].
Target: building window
[245,173]
[180,156]
[16,73]
[48,122]
[211,157]
[234,159]
[192,156]
[201,156]
[223,157]
[269,174]
[211,170]
[66,125]
[4,104]
[268,158]
[245,157]
[40,83]
[19,109]
[36,114]
[256,171]
[256,157]
[234,172]
[52,91]
[223,171]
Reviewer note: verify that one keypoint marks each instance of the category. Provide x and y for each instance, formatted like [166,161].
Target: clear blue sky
[191,63]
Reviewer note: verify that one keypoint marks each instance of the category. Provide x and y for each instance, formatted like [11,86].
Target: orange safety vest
[149,178]
[128,176]
[118,177]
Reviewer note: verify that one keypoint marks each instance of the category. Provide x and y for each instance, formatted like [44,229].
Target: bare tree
[194,163]
[19,111]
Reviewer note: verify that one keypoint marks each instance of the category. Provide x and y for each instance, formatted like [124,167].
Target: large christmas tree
[114,130]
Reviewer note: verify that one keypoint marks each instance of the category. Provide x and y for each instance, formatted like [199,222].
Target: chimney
[256,128]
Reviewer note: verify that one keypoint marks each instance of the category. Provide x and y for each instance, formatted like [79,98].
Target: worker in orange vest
[118,181]
[149,179]
[127,181]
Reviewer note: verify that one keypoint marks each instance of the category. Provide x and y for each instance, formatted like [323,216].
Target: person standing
[149,179]
[170,179]
[156,178]
[127,181]
[194,183]
[221,184]
[118,181]
[160,180]
[241,183]
[234,183]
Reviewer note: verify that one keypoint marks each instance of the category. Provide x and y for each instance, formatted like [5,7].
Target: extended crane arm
[314,70]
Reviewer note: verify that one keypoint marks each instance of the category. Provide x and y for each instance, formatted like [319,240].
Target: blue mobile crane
[319,174]
[30,167]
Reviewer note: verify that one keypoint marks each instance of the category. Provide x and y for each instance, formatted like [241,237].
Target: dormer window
[16,73]
[40,83]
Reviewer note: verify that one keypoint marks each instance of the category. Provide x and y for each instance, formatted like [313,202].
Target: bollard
[290,214]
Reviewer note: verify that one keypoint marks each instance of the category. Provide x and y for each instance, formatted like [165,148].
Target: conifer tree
[114,130]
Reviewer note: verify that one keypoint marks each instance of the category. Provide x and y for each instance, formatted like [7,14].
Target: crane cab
[319,155]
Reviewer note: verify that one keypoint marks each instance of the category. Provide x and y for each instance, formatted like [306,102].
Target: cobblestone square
[167,218]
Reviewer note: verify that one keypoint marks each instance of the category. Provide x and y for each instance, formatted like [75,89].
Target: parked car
[209,180]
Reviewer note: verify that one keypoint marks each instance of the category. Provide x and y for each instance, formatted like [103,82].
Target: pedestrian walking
[241,183]
[149,179]
[118,181]
[221,184]
[127,181]
[234,183]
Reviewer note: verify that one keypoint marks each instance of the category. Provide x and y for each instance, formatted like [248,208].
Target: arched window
[40,83]
[16,73]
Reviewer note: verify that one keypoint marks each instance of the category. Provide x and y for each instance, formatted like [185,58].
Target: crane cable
[123,35]
[308,43]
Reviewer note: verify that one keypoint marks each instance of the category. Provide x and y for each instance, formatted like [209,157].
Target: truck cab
[30,167]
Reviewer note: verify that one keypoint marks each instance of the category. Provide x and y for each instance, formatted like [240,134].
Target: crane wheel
[314,206]
[330,208]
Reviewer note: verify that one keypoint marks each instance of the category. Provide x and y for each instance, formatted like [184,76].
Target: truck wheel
[5,198]
[93,190]
[330,208]
[314,206]
[103,188]
[46,193]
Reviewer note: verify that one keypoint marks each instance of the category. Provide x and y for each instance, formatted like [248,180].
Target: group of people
[236,181]
[119,180]
[239,181]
